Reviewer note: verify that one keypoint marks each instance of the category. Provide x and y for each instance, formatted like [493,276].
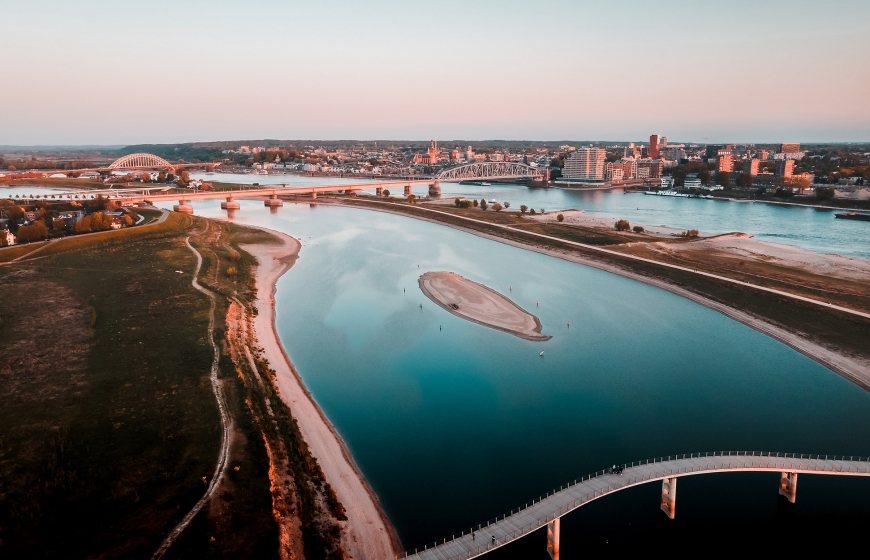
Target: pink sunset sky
[101,72]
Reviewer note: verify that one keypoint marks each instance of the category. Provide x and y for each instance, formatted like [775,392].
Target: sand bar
[367,533]
[480,304]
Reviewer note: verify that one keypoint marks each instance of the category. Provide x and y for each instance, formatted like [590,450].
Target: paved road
[532,516]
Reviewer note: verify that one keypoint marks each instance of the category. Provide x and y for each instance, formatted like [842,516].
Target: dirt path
[226,421]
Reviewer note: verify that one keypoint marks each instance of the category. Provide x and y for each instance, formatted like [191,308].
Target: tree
[523,208]
[476,203]
[184,178]
[36,231]
[58,225]
[532,212]
[386,192]
[704,176]
[723,178]
[507,204]
[744,180]
[637,229]
[412,199]
[560,217]
[161,177]
[689,233]
[825,193]
[622,225]
[497,207]
[483,204]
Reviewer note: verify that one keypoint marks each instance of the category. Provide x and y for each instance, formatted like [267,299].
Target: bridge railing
[623,482]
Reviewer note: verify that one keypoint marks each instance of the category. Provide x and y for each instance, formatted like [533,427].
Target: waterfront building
[785,168]
[627,167]
[649,168]
[750,166]
[585,164]
[614,173]
[692,182]
[725,163]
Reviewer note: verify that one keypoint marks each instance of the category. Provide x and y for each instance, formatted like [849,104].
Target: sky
[123,72]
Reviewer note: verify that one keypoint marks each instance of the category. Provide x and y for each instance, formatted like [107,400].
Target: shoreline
[853,369]
[367,533]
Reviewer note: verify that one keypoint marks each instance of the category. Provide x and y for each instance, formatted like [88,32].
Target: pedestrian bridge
[547,510]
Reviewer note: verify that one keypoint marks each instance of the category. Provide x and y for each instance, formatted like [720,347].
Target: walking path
[223,455]
[538,513]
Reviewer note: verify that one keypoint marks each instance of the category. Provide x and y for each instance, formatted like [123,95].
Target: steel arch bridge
[490,170]
[141,161]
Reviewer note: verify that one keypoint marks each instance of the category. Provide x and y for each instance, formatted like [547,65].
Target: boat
[485,184]
[671,193]
[853,216]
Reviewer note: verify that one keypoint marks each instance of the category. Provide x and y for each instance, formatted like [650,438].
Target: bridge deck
[533,516]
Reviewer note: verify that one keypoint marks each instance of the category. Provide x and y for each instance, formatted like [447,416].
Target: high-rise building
[663,143]
[654,145]
[725,163]
[790,148]
[585,164]
[785,168]
[433,152]
[763,155]
[750,167]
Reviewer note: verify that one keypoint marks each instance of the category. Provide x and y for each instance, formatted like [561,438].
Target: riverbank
[367,532]
[815,331]
[480,304]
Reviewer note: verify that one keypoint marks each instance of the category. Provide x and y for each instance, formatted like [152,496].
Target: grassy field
[109,422]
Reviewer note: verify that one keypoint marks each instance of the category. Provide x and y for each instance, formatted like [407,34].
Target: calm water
[453,423]
[811,228]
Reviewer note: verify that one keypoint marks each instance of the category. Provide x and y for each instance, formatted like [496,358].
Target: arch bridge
[548,510]
[492,170]
[140,161]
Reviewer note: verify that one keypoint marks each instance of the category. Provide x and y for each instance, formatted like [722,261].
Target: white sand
[367,533]
[480,304]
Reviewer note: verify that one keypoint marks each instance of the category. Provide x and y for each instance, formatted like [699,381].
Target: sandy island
[367,532]
[480,304]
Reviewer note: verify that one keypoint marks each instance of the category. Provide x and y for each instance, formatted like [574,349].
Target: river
[453,423]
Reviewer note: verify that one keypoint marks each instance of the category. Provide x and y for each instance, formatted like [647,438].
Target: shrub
[483,204]
[523,208]
[560,218]
[507,204]
[637,229]
[532,212]
[622,225]
[497,207]
[36,231]
[689,233]
[386,192]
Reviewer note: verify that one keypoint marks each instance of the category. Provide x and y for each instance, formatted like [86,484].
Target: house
[8,237]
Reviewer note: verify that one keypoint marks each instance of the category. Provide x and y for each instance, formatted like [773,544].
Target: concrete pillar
[230,204]
[273,201]
[313,195]
[407,190]
[183,206]
[435,188]
[379,191]
[788,486]
[669,497]
[553,538]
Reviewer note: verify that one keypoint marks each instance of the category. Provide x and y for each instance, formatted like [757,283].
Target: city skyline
[102,73]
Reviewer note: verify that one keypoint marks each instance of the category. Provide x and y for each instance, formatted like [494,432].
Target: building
[649,168]
[625,169]
[585,164]
[631,151]
[750,167]
[712,150]
[674,153]
[725,162]
[763,155]
[653,146]
[692,181]
[785,168]
[8,236]
[789,148]
[433,152]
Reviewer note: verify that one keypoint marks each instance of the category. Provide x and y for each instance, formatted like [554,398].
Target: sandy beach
[367,534]
[480,304]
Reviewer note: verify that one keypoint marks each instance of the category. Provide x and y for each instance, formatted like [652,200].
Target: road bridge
[547,510]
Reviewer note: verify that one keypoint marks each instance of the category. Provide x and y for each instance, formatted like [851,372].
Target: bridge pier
[379,191]
[230,204]
[273,201]
[553,528]
[788,486]
[669,497]
[407,190]
[183,206]
[313,195]
[435,188]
